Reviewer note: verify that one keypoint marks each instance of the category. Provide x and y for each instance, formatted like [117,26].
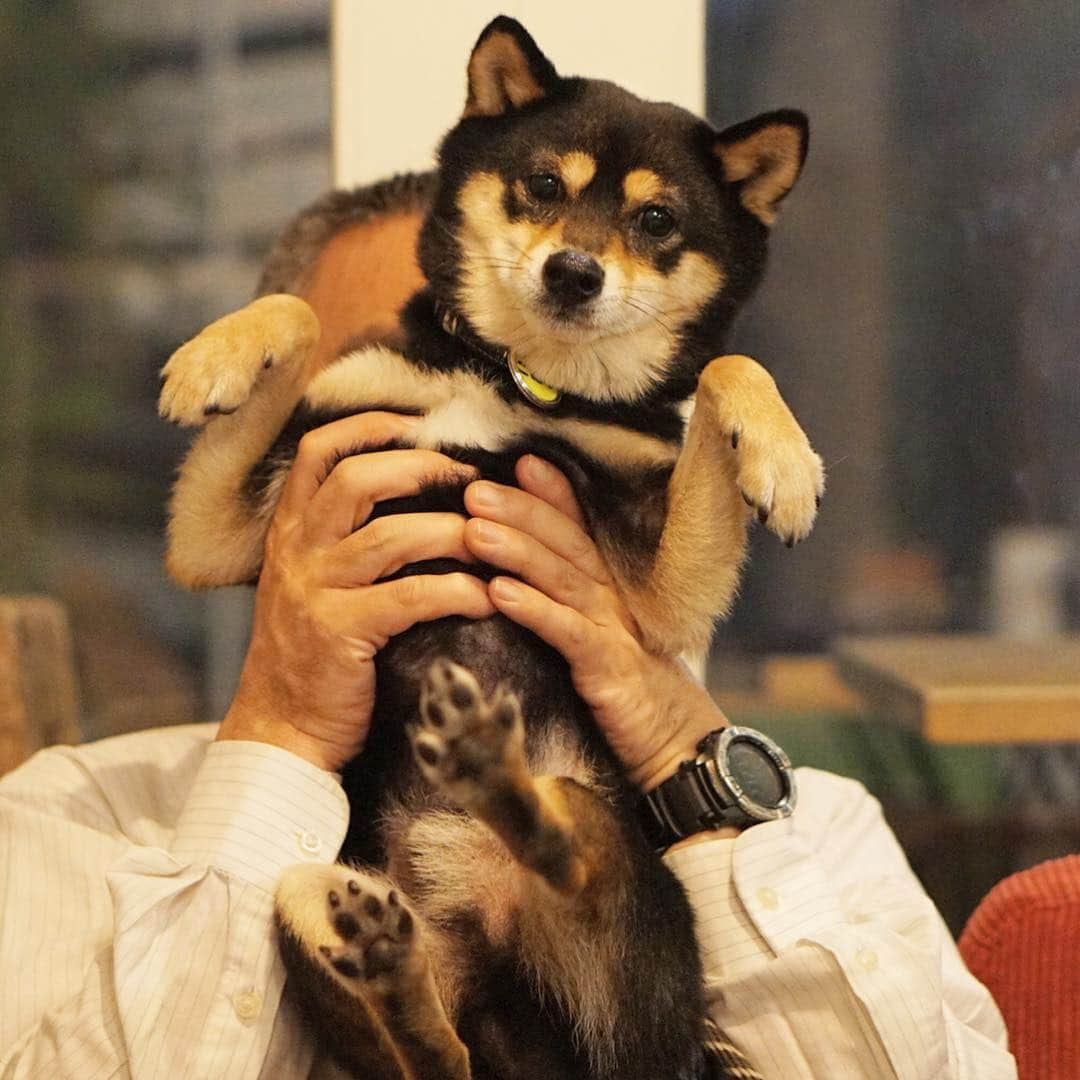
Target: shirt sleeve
[129,950]
[825,958]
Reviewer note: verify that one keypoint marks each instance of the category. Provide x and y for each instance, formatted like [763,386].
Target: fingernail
[505,589]
[486,494]
[487,531]
[539,470]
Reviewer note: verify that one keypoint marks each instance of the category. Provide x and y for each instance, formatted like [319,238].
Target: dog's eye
[544,186]
[657,221]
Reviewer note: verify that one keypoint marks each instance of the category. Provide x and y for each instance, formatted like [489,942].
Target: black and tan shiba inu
[585,252]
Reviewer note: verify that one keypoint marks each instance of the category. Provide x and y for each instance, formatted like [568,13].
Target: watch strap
[679,807]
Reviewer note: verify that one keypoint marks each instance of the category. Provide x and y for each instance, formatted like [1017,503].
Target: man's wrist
[249,725]
[666,771]
[692,714]
[683,750]
[665,764]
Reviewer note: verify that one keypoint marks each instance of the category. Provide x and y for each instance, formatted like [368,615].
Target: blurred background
[922,317]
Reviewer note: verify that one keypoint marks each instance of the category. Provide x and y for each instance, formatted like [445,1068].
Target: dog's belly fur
[517,1017]
[463,881]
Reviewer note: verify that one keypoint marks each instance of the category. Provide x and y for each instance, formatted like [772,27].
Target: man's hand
[308,682]
[650,709]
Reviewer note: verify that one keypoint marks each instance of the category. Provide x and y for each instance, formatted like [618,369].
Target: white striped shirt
[823,955]
[136,933]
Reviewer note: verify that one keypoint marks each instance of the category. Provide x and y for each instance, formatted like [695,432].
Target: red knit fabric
[1023,944]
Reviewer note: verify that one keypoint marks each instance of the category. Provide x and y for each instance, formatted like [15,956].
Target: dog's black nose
[573,277]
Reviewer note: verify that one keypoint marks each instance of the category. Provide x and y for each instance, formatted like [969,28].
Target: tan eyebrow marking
[577,170]
[641,186]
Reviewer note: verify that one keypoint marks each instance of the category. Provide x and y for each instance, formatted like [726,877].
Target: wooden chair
[39,700]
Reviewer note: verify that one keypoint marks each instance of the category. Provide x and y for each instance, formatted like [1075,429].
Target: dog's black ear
[764,157]
[506,70]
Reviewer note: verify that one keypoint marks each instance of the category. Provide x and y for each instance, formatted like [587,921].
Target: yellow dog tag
[531,387]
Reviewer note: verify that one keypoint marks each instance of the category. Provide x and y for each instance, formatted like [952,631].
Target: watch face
[757,774]
[752,770]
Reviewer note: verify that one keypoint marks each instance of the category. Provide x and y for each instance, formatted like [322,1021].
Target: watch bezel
[714,757]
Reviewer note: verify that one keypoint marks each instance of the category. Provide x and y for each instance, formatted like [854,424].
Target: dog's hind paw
[355,925]
[376,930]
[216,372]
[467,746]
[361,936]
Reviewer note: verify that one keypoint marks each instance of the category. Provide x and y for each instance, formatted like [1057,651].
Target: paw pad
[464,743]
[375,927]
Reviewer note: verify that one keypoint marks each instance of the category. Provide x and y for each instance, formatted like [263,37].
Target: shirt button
[310,844]
[248,1004]
[867,959]
[767,898]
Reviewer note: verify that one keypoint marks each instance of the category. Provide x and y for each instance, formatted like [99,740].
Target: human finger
[391,607]
[545,481]
[543,521]
[344,501]
[321,448]
[385,545]
[563,627]
[525,557]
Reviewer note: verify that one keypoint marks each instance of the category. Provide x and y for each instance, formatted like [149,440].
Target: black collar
[535,392]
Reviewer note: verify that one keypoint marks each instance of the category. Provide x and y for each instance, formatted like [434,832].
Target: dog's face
[605,240]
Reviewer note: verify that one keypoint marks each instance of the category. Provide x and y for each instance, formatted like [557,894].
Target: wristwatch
[739,777]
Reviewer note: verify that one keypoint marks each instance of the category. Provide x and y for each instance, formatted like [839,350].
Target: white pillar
[399,68]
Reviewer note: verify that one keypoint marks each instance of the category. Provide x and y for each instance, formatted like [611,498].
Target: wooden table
[969,688]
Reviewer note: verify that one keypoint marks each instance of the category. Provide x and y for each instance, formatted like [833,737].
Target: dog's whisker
[633,295]
[517,247]
[662,294]
[653,317]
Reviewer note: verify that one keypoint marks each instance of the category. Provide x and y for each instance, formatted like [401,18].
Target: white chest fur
[462,408]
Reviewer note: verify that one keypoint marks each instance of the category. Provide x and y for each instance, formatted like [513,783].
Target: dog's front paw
[467,746]
[778,472]
[215,372]
[783,479]
[209,376]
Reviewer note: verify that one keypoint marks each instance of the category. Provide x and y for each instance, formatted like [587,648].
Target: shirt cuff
[255,809]
[754,895]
